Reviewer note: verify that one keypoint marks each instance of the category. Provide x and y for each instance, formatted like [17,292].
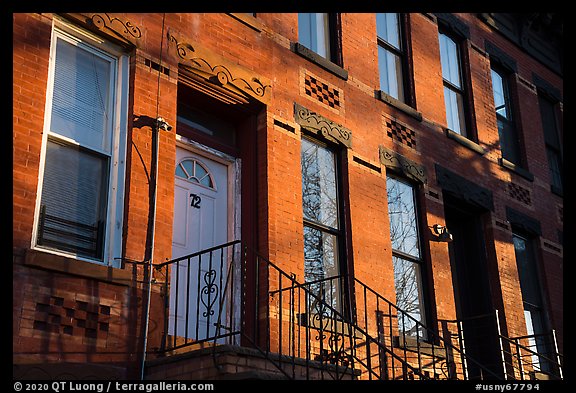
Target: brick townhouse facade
[304,196]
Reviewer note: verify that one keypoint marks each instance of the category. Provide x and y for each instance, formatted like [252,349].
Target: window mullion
[453,87]
[321,227]
[383,43]
[406,256]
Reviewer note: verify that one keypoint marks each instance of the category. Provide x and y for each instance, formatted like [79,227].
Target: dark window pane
[555,165]
[552,140]
[549,123]
[527,271]
[207,123]
[532,298]
[508,140]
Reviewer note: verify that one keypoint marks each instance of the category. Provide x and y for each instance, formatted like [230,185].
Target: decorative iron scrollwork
[210,64]
[209,292]
[326,321]
[396,161]
[336,353]
[181,48]
[329,130]
[104,20]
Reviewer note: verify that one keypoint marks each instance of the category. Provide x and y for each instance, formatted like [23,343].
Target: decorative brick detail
[400,132]
[520,193]
[552,247]
[68,314]
[561,214]
[321,91]
[501,224]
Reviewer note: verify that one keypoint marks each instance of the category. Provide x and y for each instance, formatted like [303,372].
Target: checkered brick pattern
[69,315]
[322,92]
[400,133]
[520,193]
[561,214]
[73,317]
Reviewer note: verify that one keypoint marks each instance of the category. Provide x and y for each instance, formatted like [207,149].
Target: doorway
[203,203]
[471,284]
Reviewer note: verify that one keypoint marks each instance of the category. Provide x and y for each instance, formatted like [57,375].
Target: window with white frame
[79,209]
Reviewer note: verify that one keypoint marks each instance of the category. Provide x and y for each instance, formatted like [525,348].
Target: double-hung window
[391,55]
[552,141]
[509,143]
[80,201]
[323,237]
[531,298]
[316,31]
[454,100]
[406,256]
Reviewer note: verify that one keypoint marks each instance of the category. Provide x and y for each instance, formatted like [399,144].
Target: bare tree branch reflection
[320,208]
[406,254]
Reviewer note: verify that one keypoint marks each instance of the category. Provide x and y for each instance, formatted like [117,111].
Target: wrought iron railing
[440,353]
[533,356]
[201,297]
[230,294]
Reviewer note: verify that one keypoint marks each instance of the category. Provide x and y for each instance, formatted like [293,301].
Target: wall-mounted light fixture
[442,233]
[163,124]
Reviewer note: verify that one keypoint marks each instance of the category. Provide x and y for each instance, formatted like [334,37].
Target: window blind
[81,99]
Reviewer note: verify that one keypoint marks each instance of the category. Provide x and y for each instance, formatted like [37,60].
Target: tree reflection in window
[406,255]
[321,223]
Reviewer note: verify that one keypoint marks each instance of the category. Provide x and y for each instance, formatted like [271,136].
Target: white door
[200,223]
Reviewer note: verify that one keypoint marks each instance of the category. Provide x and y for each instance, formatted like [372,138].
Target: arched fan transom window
[194,171]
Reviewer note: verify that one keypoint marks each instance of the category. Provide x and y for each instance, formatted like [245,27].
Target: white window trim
[112,247]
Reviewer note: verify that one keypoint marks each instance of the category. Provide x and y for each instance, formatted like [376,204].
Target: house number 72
[195,201]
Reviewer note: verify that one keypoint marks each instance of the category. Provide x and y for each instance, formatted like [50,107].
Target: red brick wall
[266,51]
[31,50]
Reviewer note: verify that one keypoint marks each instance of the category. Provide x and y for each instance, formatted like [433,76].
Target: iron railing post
[501,345]
[519,359]
[462,344]
[557,353]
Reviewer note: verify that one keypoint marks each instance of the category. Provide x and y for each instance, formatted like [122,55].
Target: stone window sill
[248,20]
[62,264]
[328,325]
[411,344]
[516,169]
[465,142]
[382,96]
[320,61]
[556,190]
